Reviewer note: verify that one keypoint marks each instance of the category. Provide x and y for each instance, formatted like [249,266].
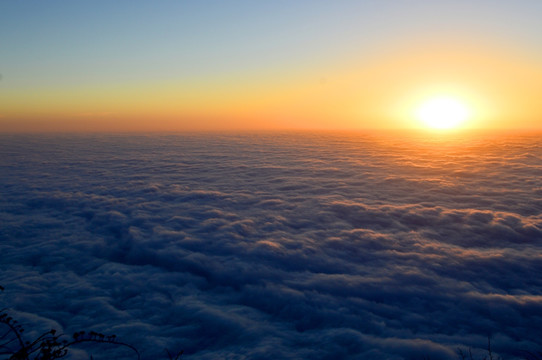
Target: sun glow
[443,112]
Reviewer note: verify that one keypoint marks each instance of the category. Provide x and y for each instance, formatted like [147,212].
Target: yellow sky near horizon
[501,89]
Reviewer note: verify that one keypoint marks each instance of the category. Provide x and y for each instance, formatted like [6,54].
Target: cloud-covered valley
[277,246]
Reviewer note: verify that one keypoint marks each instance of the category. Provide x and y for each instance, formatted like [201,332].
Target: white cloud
[290,246]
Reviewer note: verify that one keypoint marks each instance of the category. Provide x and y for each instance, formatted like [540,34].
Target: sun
[443,112]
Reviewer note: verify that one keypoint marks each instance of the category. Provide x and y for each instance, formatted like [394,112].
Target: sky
[214,65]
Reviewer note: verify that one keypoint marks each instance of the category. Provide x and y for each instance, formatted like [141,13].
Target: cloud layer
[277,246]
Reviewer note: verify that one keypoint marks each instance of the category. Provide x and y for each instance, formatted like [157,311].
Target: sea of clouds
[278,245]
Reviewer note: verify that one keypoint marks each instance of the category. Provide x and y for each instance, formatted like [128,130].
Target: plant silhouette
[50,345]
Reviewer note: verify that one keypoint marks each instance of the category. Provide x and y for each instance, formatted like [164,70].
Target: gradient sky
[196,65]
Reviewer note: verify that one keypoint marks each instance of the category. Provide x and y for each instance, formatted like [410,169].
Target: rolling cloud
[290,246]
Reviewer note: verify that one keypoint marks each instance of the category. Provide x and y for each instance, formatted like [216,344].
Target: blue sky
[130,39]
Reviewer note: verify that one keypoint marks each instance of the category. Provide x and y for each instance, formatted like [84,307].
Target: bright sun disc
[443,112]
